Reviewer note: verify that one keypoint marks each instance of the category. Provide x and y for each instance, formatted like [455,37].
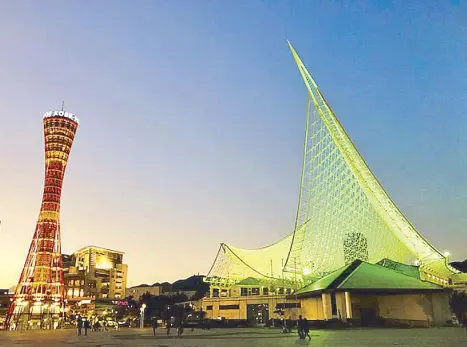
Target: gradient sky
[193,113]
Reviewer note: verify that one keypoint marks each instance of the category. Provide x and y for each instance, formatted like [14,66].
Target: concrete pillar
[243,309]
[327,309]
[341,306]
[215,309]
[348,306]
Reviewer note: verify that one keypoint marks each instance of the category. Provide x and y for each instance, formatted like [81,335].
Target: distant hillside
[161,284]
[192,283]
[189,284]
[460,265]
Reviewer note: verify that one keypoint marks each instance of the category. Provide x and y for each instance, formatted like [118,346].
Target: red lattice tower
[39,297]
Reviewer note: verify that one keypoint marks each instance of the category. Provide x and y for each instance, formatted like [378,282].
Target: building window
[215,293]
[265,291]
[243,291]
[254,291]
[280,291]
[224,293]
[229,307]
[209,308]
[288,305]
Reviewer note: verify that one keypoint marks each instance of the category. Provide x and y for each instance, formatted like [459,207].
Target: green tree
[201,290]
[458,303]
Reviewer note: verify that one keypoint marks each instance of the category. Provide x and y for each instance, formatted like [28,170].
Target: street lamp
[141,324]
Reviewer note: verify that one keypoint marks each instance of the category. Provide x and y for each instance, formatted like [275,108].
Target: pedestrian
[154,326]
[300,328]
[465,322]
[306,329]
[285,329]
[168,326]
[80,325]
[180,329]
[86,326]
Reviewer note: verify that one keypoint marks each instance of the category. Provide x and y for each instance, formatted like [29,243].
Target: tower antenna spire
[63,105]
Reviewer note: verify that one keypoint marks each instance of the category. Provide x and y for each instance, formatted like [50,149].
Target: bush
[458,303]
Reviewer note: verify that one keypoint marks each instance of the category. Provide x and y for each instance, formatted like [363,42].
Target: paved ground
[448,337]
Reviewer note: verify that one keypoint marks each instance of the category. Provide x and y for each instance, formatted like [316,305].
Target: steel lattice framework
[39,297]
[343,214]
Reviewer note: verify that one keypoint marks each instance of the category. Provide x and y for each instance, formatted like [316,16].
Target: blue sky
[193,112]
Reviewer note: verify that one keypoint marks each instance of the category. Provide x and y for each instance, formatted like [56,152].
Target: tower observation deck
[38,301]
[343,214]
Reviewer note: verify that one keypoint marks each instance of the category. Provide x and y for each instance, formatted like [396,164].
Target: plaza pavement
[260,337]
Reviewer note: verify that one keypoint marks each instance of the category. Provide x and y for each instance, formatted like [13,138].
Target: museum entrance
[257,313]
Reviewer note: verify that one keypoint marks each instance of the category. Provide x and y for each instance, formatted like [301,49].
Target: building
[369,294]
[5,301]
[250,299]
[346,225]
[343,214]
[361,293]
[157,289]
[39,298]
[459,282]
[95,273]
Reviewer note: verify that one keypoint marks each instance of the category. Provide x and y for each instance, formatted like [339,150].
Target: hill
[188,284]
[194,284]
[460,265]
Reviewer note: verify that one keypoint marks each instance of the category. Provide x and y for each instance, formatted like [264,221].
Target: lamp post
[141,323]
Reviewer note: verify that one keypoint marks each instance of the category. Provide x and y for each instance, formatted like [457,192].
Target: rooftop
[362,276]
[84,249]
[250,281]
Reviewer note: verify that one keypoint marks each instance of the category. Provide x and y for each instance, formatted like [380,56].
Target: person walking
[306,329]
[154,326]
[284,326]
[180,329]
[168,326]
[86,326]
[79,325]
[300,328]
